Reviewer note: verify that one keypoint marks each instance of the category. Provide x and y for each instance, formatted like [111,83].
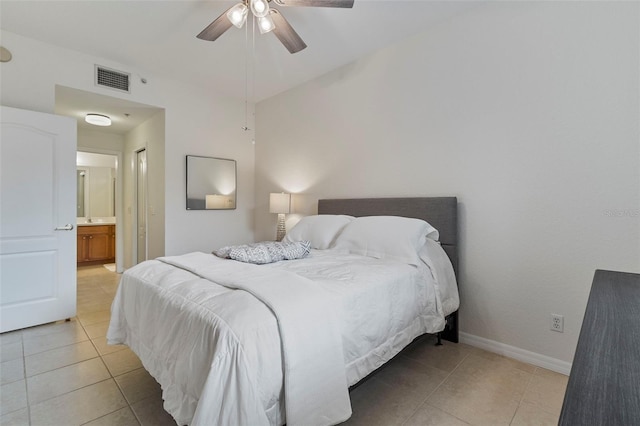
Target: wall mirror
[211,183]
[96,191]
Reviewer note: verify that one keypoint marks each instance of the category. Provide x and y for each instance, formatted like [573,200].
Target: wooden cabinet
[111,243]
[96,244]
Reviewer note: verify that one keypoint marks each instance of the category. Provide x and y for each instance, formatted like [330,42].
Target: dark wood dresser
[604,384]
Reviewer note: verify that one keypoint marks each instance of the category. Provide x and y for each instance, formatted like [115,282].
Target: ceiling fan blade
[316,3]
[216,28]
[285,33]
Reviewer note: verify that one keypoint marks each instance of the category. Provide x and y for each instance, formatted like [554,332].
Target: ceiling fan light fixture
[98,119]
[266,24]
[259,8]
[238,14]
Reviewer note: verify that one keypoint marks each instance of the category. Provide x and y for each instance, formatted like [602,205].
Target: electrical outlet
[557,323]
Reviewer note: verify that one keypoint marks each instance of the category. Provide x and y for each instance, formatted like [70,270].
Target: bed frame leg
[450,331]
[439,342]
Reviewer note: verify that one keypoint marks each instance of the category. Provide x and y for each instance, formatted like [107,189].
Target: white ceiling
[159,37]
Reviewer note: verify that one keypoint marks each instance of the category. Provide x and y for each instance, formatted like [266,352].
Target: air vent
[113,79]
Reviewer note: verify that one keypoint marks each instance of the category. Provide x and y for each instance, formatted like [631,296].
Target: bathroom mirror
[211,183]
[96,192]
[81,188]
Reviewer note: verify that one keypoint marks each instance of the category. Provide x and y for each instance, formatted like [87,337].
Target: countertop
[96,221]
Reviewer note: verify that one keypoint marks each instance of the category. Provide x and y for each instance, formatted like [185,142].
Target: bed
[228,349]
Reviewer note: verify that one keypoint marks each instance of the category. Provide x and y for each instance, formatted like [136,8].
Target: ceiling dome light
[238,14]
[98,120]
[260,8]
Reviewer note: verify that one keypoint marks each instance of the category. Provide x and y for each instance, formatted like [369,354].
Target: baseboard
[533,358]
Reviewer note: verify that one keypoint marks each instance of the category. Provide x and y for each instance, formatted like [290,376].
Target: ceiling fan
[269,19]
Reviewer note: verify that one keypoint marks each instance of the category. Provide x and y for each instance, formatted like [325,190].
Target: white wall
[526,111]
[214,130]
[98,140]
[196,123]
[150,137]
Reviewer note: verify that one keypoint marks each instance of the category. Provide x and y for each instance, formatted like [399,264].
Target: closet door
[141,205]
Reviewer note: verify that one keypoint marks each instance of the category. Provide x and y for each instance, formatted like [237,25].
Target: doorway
[99,196]
[134,127]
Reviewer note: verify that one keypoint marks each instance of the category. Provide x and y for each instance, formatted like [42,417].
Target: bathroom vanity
[96,243]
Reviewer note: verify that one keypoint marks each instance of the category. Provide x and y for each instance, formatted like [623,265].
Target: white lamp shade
[279,202]
[238,14]
[215,202]
[260,8]
[266,24]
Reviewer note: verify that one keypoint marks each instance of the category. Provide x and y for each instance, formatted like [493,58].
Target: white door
[37,218]
[141,204]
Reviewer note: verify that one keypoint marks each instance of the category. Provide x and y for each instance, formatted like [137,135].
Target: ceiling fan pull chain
[253,72]
[246,79]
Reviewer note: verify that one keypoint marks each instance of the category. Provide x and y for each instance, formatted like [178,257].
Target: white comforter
[217,351]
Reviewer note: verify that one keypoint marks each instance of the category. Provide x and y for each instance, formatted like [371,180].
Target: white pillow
[386,237]
[320,230]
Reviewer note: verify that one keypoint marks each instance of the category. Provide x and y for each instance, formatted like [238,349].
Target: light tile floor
[64,374]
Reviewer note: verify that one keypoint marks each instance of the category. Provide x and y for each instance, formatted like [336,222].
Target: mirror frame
[204,186]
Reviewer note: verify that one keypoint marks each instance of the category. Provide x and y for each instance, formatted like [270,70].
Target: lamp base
[282,230]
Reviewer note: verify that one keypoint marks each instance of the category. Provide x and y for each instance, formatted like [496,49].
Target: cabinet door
[83,248]
[98,246]
[112,242]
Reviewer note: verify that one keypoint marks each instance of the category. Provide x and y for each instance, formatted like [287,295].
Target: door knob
[67,227]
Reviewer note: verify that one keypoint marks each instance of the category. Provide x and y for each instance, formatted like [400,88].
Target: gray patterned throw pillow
[265,252]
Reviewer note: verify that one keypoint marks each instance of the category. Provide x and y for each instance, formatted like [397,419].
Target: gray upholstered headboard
[440,212]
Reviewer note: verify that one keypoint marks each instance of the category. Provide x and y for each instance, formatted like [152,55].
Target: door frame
[119,202]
